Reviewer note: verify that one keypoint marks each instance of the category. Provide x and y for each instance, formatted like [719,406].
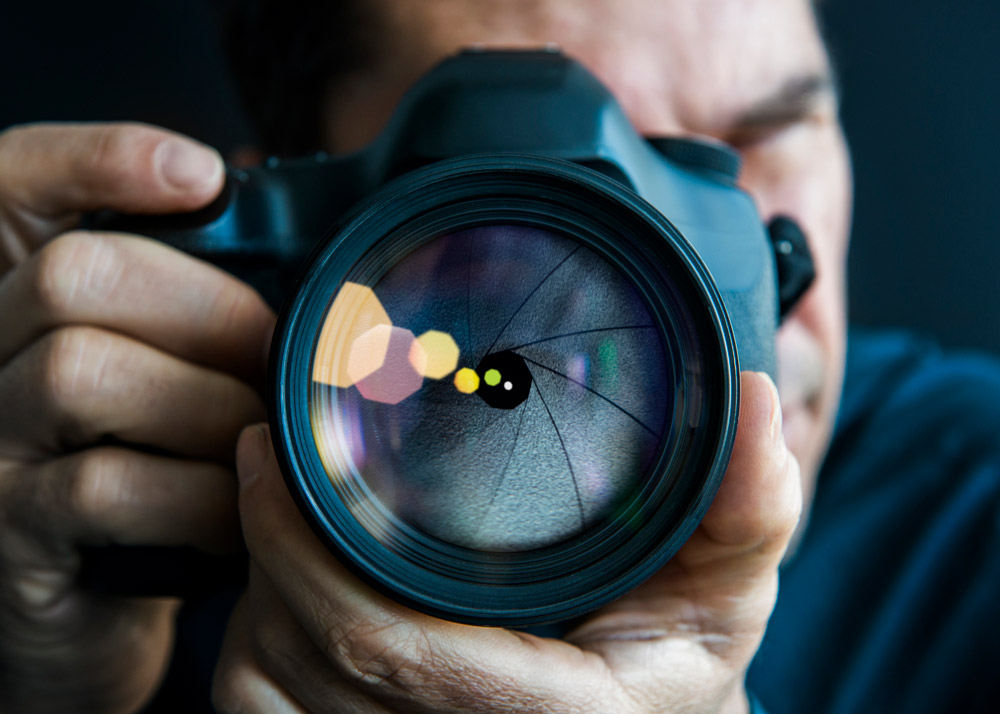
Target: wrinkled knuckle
[111,154]
[233,303]
[383,656]
[74,364]
[74,269]
[237,311]
[57,273]
[98,487]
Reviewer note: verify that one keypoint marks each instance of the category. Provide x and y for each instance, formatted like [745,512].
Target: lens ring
[580,573]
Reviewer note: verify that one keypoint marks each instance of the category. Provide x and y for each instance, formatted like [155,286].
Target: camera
[504,385]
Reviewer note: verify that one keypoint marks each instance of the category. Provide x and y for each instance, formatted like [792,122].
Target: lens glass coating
[500,388]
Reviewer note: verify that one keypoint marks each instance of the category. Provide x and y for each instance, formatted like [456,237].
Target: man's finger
[115,495]
[403,658]
[240,686]
[719,590]
[52,169]
[760,500]
[81,384]
[141,288]
[285,654]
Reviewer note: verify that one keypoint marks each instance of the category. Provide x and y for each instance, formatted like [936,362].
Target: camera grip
[263,224]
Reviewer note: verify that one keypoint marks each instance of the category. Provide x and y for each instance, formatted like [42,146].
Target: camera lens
[571,397]
[505,393]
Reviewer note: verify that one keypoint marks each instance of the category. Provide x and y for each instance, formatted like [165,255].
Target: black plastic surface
[793,261]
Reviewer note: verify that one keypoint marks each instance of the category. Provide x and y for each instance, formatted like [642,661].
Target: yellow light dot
[492,377]
[466,380]
[439,353]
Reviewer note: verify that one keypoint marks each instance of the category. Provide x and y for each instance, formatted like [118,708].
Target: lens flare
[354,312]
[466,380]
[368,352]
[394,377]
[570,388]
[440,354]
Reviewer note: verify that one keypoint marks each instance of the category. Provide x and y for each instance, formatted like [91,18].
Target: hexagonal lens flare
[368,352]
[388,350]
[466,380]
[441,354]
[359,344]
[354,312]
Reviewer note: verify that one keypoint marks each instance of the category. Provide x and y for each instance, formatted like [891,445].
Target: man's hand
[308,636]
[125,373]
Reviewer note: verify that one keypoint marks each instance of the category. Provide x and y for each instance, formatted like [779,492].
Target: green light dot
[492,377]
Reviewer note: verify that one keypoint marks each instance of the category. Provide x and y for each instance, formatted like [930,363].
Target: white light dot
[508,386]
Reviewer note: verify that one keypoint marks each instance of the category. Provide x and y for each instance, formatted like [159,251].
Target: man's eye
[757,134]
[749,138]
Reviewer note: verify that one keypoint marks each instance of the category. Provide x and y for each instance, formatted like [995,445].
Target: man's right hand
[125,378]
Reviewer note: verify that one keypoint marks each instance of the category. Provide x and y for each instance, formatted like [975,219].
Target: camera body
[496,172]
[543,104]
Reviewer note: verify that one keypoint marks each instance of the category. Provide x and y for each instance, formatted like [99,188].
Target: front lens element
[505,391]
[572,391]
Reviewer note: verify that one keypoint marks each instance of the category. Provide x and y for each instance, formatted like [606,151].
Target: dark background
[921,105]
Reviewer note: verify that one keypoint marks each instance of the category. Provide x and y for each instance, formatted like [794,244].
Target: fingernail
[251,454]
[186,165]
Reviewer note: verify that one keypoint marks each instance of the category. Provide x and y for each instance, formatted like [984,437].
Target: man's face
[753,73]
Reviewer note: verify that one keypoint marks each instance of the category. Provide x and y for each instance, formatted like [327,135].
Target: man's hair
[285,56]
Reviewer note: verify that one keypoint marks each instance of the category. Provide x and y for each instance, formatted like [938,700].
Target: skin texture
[125,377]
[307,636]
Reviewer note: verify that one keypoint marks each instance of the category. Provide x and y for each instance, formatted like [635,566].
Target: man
[120,337]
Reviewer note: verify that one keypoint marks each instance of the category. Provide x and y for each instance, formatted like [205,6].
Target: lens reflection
[529,408]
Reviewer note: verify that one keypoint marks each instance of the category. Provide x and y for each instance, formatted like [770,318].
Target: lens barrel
[505,392]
